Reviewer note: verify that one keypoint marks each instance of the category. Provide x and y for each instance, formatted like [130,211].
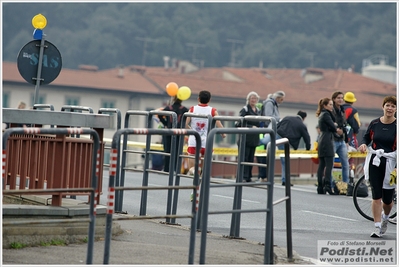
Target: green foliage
[17,245]
[53,242]
[278,34]
[57,242]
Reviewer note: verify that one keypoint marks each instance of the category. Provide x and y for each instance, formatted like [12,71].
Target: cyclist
[380,143]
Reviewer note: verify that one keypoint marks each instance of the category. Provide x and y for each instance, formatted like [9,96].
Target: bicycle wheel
[392,217]
[363,204]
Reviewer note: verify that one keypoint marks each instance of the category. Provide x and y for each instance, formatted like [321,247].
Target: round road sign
[28,62]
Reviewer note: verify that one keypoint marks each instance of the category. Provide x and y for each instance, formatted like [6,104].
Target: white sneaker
[376,232]
[191,171]
[384,225]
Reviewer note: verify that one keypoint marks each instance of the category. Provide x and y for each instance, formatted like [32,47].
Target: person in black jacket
[293,128]
[341,141]
[326,153]
[179,109]
[251,140]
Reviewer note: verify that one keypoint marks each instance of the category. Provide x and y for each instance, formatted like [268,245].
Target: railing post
[122,171]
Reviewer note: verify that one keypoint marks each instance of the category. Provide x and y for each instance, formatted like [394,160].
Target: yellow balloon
[39,21]
[183,93]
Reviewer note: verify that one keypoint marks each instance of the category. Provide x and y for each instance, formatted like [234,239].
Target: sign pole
[39,71]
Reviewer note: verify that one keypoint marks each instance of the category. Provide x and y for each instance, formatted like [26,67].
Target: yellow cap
[350,97]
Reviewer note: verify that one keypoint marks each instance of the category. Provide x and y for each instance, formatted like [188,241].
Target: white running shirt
[200,124]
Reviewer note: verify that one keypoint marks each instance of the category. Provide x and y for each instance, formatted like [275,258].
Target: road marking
[332,216]
[233,198]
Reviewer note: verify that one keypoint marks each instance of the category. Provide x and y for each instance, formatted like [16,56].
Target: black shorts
[376,177]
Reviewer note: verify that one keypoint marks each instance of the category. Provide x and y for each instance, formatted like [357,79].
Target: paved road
[314,217]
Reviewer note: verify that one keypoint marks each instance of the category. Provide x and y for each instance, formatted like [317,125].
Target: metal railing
[58,191]
[204,199]
[144,188]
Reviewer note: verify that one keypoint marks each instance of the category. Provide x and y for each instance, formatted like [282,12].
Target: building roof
[88,77]
[302,86]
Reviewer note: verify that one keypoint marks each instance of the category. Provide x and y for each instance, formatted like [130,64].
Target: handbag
[341,188]
[362,191]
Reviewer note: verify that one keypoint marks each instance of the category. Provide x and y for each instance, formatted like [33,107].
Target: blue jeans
[282,159]
[265,141]
[342,151]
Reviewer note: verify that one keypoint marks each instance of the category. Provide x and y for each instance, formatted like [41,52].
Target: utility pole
[194,46]
[233,55]
[145,40]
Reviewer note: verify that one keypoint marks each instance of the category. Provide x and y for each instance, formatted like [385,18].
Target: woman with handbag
[380,143]
[326,153]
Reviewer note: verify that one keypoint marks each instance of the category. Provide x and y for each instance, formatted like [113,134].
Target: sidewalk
[150,242]
[145,242]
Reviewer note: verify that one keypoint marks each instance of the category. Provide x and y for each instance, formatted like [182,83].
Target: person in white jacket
[380,143]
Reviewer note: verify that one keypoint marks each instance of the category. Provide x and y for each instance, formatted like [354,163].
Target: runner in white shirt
[201,126]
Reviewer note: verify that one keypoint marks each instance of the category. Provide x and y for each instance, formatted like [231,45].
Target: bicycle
[363,204]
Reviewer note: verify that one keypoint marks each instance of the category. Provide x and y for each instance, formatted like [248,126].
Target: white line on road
[233,198]
[327,215]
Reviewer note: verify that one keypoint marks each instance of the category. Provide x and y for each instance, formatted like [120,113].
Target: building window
[72,101]
[41,100]
[110,104]
[6,100]
[107,104]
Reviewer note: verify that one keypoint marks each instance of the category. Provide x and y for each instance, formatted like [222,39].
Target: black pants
[249,157]
[167,143]
[325,169]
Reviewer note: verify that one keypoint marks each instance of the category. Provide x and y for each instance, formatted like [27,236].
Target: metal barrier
[52,160]
[121,182]
[79,109]
[145,187]
[146,152]
[172,162]
[42,106]
[36,106]
[73,108]
[213,124]
[236,217]
[118,126]
[182,156]
[287,198]
[268,257]
[58,191]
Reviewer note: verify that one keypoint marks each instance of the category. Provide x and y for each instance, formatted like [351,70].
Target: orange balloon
[171,88]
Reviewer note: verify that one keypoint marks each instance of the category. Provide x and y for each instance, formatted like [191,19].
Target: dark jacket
[350,112]
[340,119]
[352,127]
[251,140]
[327,130]
[293,128]
[179,109]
